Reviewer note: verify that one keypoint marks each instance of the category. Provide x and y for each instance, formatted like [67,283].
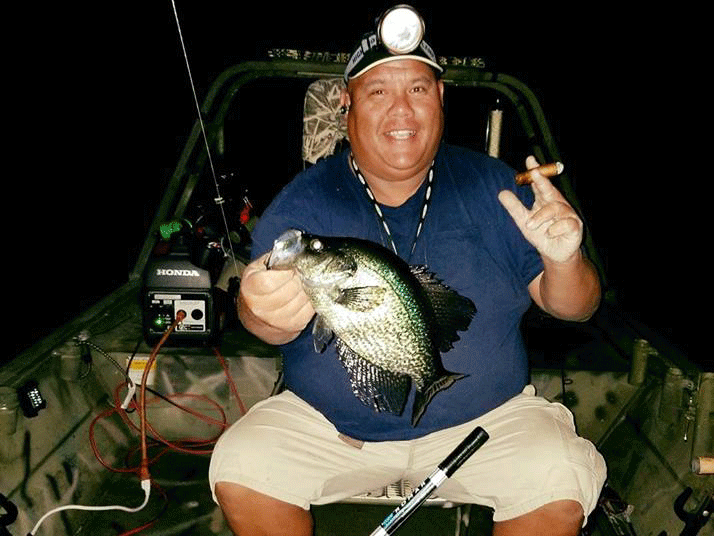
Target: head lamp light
[399,35]
[401,29]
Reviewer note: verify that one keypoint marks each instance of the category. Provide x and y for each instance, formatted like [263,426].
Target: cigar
[549,170]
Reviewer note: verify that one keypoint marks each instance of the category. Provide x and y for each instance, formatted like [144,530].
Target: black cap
[370,52]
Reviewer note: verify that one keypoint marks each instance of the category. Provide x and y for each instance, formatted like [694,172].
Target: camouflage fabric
[324,125]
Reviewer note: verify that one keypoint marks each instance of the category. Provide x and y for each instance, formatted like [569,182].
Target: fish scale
[371,337]
[389,321]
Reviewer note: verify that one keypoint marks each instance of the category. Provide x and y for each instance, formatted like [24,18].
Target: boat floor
[184,506]
[587,359]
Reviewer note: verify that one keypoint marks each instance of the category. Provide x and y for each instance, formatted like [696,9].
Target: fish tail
[424,396]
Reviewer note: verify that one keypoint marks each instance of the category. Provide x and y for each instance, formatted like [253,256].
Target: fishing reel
[225,218]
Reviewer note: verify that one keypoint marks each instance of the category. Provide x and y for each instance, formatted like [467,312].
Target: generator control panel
[172,284]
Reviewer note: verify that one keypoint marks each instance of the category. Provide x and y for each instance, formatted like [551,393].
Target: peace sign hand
[551,225]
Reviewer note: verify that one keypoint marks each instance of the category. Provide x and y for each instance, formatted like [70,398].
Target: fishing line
[219,199]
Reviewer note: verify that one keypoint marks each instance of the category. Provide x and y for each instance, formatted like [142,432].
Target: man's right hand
[272,303]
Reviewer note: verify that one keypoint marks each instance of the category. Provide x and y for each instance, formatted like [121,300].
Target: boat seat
[324,127]
[397,492]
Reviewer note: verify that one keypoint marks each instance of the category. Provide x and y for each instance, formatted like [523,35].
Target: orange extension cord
[188,445]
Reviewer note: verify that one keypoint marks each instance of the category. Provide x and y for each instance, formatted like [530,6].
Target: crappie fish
[389,321]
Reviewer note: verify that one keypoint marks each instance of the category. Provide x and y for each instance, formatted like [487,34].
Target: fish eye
[316,245]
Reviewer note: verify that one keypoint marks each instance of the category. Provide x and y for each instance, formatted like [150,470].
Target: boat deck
[186,508]
[48,460]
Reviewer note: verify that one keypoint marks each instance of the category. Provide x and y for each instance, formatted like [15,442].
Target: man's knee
[567,512]
[552,463]
[230,494]
[558,518]
[249,512]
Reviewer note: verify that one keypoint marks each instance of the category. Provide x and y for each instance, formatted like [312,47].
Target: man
[496,243]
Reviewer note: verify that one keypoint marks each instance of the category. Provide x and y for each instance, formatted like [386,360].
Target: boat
[70,404]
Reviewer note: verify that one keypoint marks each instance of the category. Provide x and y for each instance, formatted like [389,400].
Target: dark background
[101,105]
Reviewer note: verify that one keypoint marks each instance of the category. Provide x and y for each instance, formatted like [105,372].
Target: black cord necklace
[378,210]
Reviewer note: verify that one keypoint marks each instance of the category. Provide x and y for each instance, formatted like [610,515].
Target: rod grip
[466,448]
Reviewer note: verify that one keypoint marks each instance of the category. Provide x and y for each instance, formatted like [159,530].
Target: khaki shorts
[286,449]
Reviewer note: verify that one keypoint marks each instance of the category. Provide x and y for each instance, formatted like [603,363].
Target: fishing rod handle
[445,469]
[466,448]
[395,520]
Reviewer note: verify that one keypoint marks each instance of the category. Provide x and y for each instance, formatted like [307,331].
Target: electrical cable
[144,469]
[145,485]
[106,355]
[186,445]
[231,383]
[152,522]
[144,475]
[189,445]
[131,358]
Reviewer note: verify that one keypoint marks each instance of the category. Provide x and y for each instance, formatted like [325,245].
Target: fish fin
[424,396]
[452,311]
[322,334]
[377,388]
[361,299]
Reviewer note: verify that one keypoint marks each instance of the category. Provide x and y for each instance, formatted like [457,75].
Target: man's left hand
[551,225]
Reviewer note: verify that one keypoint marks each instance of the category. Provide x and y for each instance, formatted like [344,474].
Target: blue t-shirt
[468,240]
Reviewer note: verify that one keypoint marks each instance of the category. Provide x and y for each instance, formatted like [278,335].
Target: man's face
[395,119]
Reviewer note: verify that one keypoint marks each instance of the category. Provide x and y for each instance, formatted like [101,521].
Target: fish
[389,321]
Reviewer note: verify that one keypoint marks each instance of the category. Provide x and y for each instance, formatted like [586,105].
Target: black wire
[125,372]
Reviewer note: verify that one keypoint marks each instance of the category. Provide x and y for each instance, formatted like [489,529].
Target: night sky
[110,106]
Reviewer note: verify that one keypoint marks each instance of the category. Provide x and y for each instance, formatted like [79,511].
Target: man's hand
[568,287]
[552,226]
[272,303]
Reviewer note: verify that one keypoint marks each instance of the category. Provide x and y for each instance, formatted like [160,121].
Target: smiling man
[395,123]
[459,213]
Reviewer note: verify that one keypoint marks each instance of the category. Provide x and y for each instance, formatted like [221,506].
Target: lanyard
[380,215]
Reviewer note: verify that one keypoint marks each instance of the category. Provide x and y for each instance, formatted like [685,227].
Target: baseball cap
[372,51]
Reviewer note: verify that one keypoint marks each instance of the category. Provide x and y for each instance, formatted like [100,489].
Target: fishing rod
[444,470]
[219,198]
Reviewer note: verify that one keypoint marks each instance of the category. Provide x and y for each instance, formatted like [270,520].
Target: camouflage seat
[324,127]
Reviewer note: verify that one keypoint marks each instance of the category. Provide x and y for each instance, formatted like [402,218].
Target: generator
[195,267]
[180,276]
[172,283]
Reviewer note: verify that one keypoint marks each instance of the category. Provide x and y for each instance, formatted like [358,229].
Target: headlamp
[399,35]
[401,29]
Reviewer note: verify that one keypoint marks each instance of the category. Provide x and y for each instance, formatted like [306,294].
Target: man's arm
[569,291]
[272,304]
